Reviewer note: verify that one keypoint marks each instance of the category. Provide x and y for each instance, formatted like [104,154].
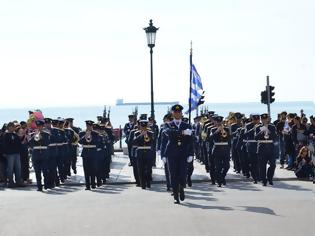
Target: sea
[119,113]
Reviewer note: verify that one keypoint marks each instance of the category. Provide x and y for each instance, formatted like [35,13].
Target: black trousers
[89,168]
[144,163]
[25,163]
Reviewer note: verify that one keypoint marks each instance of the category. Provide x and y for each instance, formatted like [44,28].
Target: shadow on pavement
[111,189]
[62,190]
[290,186]
[261,210]
[204,207]
[242,185]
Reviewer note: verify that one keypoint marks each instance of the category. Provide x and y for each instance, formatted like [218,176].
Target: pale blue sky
[92,52]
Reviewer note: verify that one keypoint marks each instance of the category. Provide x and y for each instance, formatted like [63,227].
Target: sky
[92,52]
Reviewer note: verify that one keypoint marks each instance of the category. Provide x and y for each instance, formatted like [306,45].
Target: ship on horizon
[120,102]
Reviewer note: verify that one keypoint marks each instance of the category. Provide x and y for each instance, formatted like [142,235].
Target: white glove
[187,132]
[164,159]
[190,159]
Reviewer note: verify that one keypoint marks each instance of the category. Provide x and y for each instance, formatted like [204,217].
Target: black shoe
[87,188]
[176,200]
[189,183]
[129,164]
[270,182]
[255,181]
[224,182]
[181,194]
[93,187]
[99,184]
[168,189]
[143,187]
[219,185]
[40,189]
[75,172]
[264,183]
[213,182]
[149,185]
[138,185]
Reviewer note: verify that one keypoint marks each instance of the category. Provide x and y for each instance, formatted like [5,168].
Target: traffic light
[271,93]
[201,99]
[264,97]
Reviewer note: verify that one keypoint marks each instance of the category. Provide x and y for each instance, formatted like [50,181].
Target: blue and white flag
[196,89]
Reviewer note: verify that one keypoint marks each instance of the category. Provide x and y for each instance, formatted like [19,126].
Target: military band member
[221,139]
[39,144]
[54,154]
[251,146]
[144,139]
[266,135]
[234,132]
[63,157]
[178,151]
[74,145]
[127,129]
[90,142]
[133,152]
[162,141]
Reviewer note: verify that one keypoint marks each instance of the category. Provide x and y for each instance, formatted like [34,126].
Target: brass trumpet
[88,136]
[37,136]
[223,133]
[266,134]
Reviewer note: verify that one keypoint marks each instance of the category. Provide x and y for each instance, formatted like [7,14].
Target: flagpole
[190,78]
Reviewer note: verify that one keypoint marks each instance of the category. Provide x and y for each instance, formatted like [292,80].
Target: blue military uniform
[178,150]
[127,129]
[144,153]
[266,136]
[162,141]
[39,144]
[251,147]
[221,141]
[54,154]
[90,141]
[234,132]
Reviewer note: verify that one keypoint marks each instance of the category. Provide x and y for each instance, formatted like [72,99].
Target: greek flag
[196,89]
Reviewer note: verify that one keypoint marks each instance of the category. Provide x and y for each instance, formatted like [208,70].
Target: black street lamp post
[151,35]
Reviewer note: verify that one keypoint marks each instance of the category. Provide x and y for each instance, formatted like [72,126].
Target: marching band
[251,145]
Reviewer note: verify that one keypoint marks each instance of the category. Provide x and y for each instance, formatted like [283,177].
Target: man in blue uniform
[144,140]
[127,128]
[90,141]
[266,135]
[39,144]
[162,141]
[178,151]
[221,141]
[251,146]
